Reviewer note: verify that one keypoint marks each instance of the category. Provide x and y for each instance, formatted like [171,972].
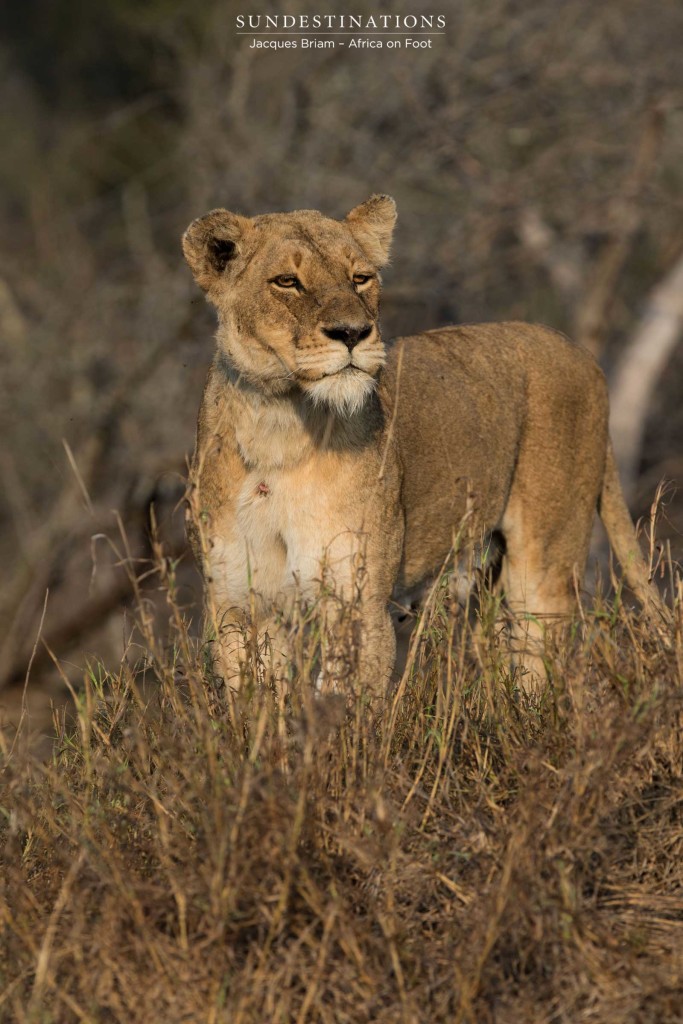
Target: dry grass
[461,854]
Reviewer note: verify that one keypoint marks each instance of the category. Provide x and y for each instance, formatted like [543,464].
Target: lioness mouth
[349,368]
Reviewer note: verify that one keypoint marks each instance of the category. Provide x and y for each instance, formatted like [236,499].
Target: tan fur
[315,454]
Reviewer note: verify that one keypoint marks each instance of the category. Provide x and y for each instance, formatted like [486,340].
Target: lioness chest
[289,506]
[288,530]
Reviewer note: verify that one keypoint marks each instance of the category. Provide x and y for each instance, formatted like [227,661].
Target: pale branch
[590,292]
[562,265]
[639,368]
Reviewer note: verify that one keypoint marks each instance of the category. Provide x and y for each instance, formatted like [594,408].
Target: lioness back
[469,403]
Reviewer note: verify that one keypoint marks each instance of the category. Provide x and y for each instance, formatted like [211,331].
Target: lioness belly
[459,419]
[473,403]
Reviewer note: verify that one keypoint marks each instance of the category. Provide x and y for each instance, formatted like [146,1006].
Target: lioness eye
[286,281]
[361,278]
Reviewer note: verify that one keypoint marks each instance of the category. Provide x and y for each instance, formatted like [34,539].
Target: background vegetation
[464,856]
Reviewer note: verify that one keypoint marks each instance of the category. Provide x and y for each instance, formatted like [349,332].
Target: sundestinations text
[330,22]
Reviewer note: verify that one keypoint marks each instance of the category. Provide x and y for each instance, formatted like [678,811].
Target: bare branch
[624,220]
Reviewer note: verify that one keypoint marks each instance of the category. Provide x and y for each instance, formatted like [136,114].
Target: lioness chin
[316,444]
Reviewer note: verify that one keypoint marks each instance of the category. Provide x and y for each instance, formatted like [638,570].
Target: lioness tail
[617,520]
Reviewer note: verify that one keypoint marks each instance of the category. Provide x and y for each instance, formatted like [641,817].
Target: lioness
[317,445]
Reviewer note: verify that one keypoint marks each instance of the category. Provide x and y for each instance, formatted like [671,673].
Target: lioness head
[297,296]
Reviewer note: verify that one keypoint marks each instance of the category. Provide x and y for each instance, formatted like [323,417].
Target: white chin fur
[346,392]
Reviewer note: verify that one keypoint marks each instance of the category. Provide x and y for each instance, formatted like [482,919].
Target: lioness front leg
[378,649]
[246,649]
[359,652]
[226,646]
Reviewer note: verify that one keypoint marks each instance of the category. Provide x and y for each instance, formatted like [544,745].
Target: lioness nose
[348,334]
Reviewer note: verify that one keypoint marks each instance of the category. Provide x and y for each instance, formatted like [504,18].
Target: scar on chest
[263,488]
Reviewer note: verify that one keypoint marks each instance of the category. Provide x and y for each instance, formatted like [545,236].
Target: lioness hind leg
[549,514]
[544,561]
[540,604]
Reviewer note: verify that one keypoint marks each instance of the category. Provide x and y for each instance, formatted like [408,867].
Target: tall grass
[459,853]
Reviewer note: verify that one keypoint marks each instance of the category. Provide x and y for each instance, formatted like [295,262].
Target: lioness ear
[211,242]
[372,223]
